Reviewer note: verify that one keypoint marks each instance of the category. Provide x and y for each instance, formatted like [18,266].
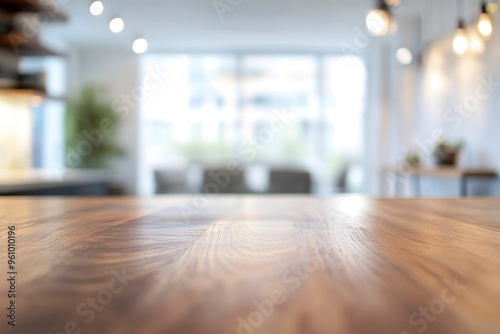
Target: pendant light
[116,25]
[476,41]
[378,20]
[484,25]
[140,45]
[492,7]
[96,8]
[404,56]
[460,41]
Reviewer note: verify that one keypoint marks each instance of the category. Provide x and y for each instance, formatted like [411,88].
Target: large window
[208,105]
[271,83]
[48,114]
[193,113]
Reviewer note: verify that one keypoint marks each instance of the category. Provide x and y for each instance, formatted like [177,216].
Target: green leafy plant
[91,126]
[413,159]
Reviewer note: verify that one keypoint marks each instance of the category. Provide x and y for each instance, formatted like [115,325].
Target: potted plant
[91,126]
[413,159]
[446,153]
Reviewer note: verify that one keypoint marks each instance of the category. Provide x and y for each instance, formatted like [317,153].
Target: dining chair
[289,182]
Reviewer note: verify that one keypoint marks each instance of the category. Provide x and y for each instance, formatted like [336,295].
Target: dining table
[213,264]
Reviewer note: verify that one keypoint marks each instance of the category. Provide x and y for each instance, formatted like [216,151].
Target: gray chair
[170,181]
[219,180]
[340,184]
[289,182]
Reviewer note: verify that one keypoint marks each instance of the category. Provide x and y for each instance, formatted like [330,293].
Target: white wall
[452,104]
[117,71]
[377,139]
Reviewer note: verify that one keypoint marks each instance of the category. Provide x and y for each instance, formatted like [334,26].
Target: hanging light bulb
[116,25]
[492,8]
[140,45]
[96,8]
[404,56]
[460,41]
[378,20]
[476,42]
[484,25]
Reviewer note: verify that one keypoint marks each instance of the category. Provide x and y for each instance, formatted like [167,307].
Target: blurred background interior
[127,97]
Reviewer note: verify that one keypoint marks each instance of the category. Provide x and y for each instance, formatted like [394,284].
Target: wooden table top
[304,265]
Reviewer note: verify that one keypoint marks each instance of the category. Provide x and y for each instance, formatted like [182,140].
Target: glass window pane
[191,115]
[272,83]
[212,108]
[345,85]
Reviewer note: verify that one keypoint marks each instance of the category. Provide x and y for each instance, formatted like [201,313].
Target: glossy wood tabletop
[347,265]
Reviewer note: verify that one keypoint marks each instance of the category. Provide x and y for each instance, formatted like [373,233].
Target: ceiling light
[476,42]
[404,56]
[116,25]
[492,8]
[484,25]
[377,22]
[96,8]
[460,41]
[140,45]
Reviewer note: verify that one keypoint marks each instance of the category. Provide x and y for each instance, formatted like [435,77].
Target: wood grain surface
[304,265]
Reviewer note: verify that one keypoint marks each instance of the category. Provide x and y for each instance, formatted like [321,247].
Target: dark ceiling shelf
[23,46]
[33,6]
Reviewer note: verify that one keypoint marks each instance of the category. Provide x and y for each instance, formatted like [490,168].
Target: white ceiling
[195,24]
